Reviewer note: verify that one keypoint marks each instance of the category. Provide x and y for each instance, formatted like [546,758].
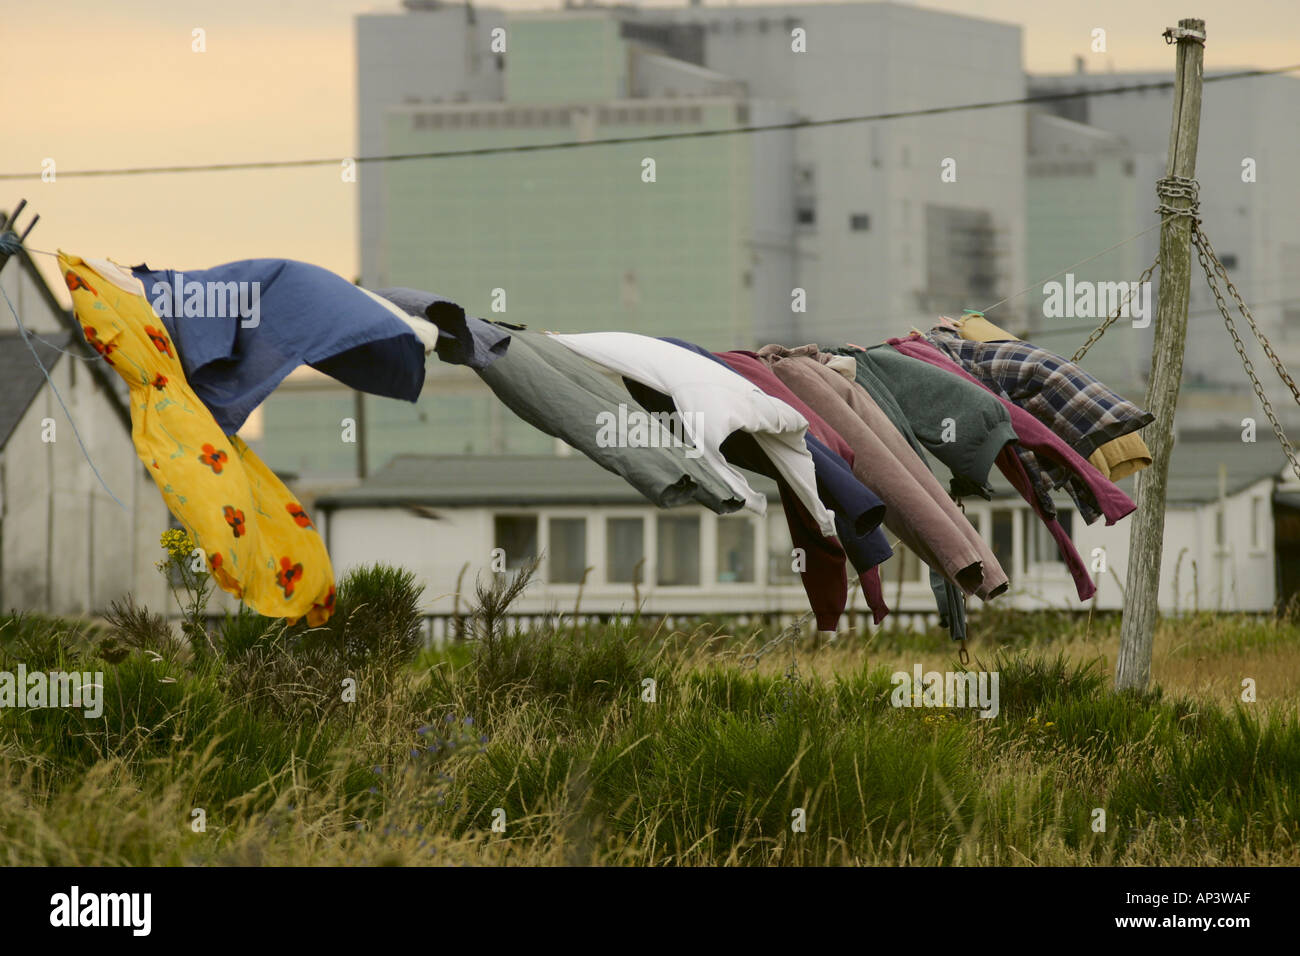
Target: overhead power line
[650,137]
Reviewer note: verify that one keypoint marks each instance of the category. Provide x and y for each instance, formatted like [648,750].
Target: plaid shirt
[1081,410]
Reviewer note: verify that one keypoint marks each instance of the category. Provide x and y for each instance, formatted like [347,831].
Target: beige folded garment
[976,328]
[1121,457]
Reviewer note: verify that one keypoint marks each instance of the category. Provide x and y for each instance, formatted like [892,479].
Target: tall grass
[629,744]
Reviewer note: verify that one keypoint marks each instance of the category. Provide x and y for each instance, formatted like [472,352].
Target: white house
[606,550]
[66,547]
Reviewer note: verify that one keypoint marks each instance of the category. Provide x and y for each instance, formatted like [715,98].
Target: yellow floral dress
[260,544]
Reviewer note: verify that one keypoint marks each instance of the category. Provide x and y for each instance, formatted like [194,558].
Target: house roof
[20,378]
[114,388]
[482,480]
[470,480]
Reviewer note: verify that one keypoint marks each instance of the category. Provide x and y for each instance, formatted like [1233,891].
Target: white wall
[436,550]
[1237,576]
[68,548]
[65,546]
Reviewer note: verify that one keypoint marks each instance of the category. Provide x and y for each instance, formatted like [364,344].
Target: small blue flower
[424,730]
[377,771]
[469,721]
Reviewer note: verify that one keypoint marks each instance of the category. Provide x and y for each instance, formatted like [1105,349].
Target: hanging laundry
[1034,435]
[259,543]
[240,328]
[1121,457]
[964,426]
[974,327]
[919,511]
[1117,458]
[858,512]
[974,397]
[1048,459]
[561,394]
[842,485]
[475,345]
[857,509]
[714,403]
[1081,410]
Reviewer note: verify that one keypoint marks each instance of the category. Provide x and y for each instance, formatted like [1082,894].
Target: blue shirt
[242,327]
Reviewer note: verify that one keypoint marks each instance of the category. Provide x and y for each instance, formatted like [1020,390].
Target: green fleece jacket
[961,424]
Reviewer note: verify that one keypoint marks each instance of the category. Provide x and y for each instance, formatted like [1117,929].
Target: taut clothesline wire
[654,137]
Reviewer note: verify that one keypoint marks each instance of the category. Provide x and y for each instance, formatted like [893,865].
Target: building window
[516,535]
[779,559]
[1040,546]
[735,550]
[624,550]
[1004,542]
[566,550]
[1256,521]
[679,551]
[859,222]
[1218,526]
[903,566]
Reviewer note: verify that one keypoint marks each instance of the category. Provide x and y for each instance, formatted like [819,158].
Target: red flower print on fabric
[75,282]
[288,575]
[159,340]
[105,349]
[214,459]
[328,606]
[299,516]
[234,518]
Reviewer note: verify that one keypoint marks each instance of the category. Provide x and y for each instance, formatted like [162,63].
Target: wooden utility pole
[1146,537]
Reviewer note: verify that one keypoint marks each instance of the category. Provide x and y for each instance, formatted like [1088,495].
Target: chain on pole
[1188,190]
[1110,320]
[1214,271]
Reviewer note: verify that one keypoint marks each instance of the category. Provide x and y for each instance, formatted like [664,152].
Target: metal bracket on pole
[11,225]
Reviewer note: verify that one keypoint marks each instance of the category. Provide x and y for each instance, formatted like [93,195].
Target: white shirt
[714,402]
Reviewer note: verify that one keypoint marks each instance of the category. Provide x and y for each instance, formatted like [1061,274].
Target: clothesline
[845,432]
[655,137]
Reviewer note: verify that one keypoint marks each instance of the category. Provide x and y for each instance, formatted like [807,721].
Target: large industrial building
[839,233]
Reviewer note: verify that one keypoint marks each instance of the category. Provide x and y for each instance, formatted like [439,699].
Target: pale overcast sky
[106,84]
